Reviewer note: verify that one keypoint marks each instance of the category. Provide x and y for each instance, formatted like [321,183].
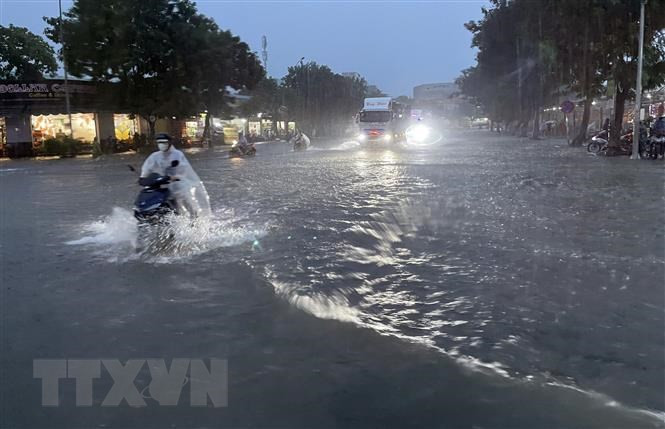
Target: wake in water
[118,237]
[389,275]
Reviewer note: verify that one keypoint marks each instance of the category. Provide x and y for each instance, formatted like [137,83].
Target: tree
[212,61]
[267,98]
[24,55]
[321,100]
[621,18]
[531,52]
[162,57]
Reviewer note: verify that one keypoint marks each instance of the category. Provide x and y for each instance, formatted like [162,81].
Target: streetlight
[306,100]
[638,88]
[64,64]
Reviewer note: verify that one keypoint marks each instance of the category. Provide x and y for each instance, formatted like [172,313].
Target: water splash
[347,145]
[119,238]
[117,230]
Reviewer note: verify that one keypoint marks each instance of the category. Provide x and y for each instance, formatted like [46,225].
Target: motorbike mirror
[174,163]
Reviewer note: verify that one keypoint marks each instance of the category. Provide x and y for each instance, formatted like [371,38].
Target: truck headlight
[418,133]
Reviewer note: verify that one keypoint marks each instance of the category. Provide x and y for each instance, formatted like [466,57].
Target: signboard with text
[49,89]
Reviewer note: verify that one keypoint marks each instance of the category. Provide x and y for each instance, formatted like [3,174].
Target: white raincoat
[189,193]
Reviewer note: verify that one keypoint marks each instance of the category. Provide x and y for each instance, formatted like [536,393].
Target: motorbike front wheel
[653,151]
[594,147]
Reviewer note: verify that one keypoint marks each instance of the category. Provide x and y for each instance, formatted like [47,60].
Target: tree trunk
[151,126]
[582,135]
[617,123]
[538,69]
[206,131]
[536,124]
[523,125]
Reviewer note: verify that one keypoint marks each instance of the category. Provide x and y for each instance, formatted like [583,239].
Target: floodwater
[479,282]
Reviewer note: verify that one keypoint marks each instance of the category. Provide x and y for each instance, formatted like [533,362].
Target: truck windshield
[375,116]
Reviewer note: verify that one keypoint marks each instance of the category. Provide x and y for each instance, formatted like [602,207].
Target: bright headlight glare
[418,133]
[387,137]
[361,137]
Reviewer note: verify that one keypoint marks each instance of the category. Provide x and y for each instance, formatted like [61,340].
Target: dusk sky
[393,44]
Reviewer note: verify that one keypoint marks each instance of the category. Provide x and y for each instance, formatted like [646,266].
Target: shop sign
[40,90]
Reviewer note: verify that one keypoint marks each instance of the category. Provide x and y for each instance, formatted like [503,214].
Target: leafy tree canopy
[24,55]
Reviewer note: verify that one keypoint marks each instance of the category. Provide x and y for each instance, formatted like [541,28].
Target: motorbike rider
[301,139]
[243,144]
[185,186]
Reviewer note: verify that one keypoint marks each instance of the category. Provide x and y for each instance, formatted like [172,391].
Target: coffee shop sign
[42,88]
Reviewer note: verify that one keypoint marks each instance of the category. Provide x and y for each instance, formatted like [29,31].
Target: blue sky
[395,45]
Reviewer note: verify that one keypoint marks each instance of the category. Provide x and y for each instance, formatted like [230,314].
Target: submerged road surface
[480,282]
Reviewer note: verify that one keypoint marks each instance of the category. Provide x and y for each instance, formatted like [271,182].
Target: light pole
[64,64]
[306,99]
[638,88]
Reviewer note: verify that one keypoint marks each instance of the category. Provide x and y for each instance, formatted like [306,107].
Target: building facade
[34,111]
[441,100]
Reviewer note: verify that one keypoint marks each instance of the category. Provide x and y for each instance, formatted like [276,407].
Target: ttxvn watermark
[165,383]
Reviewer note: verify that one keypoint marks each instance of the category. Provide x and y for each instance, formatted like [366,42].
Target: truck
[382,119]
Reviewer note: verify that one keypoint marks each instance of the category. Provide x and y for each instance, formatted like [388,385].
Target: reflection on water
[522,268]
[522,259]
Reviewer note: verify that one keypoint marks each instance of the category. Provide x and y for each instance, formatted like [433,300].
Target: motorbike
[154,201]
[600,142]
[237,152]
[300,144]
[656,143]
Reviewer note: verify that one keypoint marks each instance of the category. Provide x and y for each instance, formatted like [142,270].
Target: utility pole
[305,100]
[638,88]
[64,63]
[264,53]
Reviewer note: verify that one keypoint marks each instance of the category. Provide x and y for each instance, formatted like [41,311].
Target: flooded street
[483,281]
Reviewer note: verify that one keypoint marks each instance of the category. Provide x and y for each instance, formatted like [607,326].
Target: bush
[52,146]
[70,146]
[64,147]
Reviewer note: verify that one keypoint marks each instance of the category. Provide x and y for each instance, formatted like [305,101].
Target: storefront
[264,128]
[3,135]
[125,126]
[193,128]
[33,112]
[84,127]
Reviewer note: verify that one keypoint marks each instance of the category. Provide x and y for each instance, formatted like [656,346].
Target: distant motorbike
[300,145]
[238,152]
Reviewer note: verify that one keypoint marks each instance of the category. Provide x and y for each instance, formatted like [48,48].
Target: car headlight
[418,133]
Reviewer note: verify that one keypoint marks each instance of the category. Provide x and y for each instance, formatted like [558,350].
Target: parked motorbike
[600,143]
[602,134]
[656,143]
